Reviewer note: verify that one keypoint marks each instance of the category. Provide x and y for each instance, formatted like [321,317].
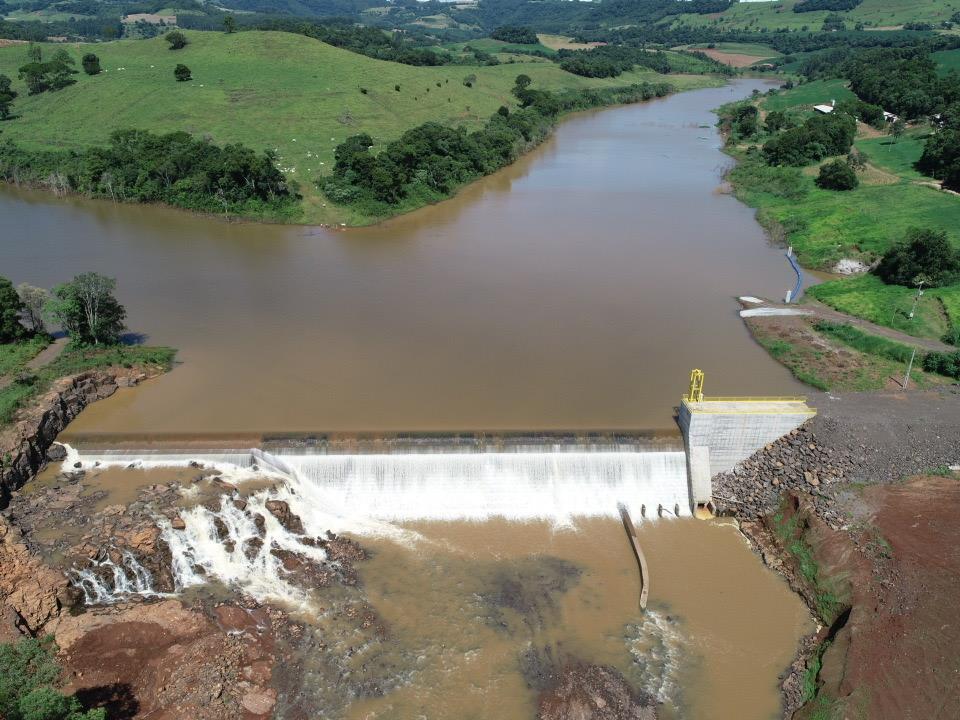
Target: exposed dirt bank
[874,556]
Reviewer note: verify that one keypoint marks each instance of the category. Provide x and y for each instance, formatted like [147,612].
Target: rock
[35,592]
[281,511]
[56,453]
[177,523]
[259,702]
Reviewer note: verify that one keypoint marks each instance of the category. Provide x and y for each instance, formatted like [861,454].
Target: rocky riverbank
[25,442]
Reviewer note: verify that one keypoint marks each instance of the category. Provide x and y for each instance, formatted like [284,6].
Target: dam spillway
[441,482]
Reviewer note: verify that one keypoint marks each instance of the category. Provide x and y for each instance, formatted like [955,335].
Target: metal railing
[749,398]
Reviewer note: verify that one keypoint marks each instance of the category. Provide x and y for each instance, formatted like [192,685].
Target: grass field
[754,49]
[496,47]
[890,305]
[872,13]
[271,90]
[818,92]
[896,157]
[947,60]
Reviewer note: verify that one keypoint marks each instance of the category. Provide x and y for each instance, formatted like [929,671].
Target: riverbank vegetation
[89,312]
[176,169]
[896,226]
[288,94]
[430,162]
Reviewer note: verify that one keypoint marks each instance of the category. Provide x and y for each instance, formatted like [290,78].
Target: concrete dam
[516,478]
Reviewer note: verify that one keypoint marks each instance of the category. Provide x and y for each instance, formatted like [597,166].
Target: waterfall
[243,545]
[104,581]
[521,486]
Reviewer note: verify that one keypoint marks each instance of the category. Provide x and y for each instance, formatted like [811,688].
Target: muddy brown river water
[575,289]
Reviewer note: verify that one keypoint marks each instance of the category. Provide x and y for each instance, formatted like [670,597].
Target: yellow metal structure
[696,386]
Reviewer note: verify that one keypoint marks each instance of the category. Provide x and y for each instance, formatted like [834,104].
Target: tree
[229,24]
[34,53]
[87,309]
[11,308]
[177,39]
[922,252]
[60,69]
[34,299]
[775,121]
[837,175]
[7,95]
[91,64]
[182,73]
[523,81]
[28,676]
[897,128]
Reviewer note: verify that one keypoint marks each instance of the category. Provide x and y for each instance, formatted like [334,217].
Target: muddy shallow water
[575,289]
[488,604]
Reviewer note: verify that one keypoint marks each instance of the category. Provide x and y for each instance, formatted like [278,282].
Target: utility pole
[906,378]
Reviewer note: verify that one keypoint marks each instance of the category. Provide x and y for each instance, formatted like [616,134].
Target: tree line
[175,168]
[429,162]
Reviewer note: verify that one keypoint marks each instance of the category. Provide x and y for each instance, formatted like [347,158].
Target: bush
[182,73]
[28,674]
[923,253]
[177,39]
[943,363]
[91,64]
[837,175]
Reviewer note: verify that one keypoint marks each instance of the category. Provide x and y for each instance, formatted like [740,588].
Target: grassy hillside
[872,13]
[270,90]
[825,226]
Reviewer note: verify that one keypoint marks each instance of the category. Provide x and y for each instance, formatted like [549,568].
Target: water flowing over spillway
[242,544]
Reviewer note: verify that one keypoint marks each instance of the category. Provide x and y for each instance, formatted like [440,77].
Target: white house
[825,109]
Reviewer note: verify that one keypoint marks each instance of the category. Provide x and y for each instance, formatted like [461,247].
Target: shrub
[923,253]
[363,91]
[91,64]
[28,674]
[943,363]
[182,73]
[177,39]
[837,175]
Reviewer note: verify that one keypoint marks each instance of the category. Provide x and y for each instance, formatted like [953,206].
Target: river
[573,290]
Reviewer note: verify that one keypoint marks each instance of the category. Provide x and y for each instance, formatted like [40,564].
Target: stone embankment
[863,438]
[24,444]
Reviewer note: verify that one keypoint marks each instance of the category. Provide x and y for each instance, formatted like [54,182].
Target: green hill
[872,13]
[269,90]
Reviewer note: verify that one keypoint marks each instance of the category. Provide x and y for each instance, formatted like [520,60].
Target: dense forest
[176,169]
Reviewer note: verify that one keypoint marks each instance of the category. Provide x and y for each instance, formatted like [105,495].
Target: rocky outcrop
[24,444]
[593,692]
[165,661]
[31,594]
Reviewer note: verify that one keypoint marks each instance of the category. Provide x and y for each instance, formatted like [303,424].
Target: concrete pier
[720,432]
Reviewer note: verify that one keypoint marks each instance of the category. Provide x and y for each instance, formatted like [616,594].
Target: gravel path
[43,358]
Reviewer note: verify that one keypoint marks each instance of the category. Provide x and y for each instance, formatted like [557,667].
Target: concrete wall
[734,431]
